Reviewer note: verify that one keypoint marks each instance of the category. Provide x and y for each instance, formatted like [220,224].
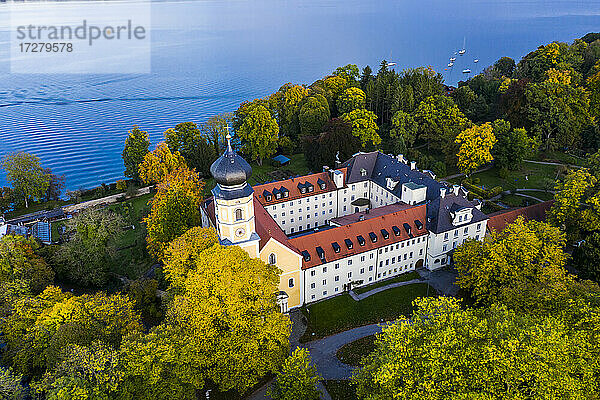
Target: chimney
[455,189]
[413,165]
[442,192]
[400,157]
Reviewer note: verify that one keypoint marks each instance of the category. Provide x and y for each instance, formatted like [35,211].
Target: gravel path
[362,296]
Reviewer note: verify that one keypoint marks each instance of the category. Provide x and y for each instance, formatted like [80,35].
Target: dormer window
[349,244]
[418,224]
[361,240]
[306,255]
[363,172]
[373,237]
[320,253]
[396,230]
[322,184]
[407,228]
[302,187]
[336,247]
[309,186]
[385,234]
[284,192]
[267,195]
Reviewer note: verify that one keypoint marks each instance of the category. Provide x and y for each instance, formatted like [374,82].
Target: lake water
[209,56]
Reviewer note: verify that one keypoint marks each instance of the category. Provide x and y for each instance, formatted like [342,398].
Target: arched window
[291,282]
[239,214]
[272,259]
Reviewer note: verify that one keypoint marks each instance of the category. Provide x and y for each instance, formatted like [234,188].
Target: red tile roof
[292,186]
[325,238]
[536,212]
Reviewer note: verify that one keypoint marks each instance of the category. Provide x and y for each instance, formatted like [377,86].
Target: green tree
[26,175]
[480,353]
[505,66]
[475,147]
[83,372]
[297,379]
[10,385]
[364,126]
[576,205]
[175,209]
[349,72]
[336,142]
[403,131]
[556,111]
[465,98]
[512,145]
[194,147]
[586,258]
[19,261]
[521,267]
[90,252]
[314,114]
[136,148]
[41,327]
[223,325]
[351,99]
[259,133]
[215,130]
[440,122]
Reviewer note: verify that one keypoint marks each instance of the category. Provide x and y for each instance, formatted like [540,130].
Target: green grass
[342,312]
[514,200]
[34,207]
[353,352]
[340,390]
[559,157]
[402,278]
[538,177]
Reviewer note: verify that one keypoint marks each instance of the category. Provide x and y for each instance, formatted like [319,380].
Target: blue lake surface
[209,56]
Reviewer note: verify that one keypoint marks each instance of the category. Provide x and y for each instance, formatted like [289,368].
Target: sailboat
[452,59]
[464,48]
[476,61]
[391,63]
[450,65]
[466,71]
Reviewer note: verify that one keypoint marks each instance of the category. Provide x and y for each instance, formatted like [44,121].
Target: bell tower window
[273,259]
[239,214]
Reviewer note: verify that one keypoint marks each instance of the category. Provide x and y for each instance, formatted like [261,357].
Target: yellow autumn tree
[445,351]
[159,163]
[41,327]
[175,209]
[576,205]
[475,149]
[223,325]
[522,267]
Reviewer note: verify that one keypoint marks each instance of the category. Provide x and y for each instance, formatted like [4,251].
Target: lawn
[340,390]
[353,352]
[513,200]
[342,312]
[559,157]
[402,278]
[529,176]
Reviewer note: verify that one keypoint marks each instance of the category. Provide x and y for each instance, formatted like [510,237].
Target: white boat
[464,48]
[391,64]
[466,71]
[476,61]
[452,59]
[450,65]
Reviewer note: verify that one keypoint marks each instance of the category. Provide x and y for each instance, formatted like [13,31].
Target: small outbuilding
[281,160]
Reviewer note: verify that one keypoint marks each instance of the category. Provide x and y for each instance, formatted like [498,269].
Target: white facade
[369,267]
[443,243]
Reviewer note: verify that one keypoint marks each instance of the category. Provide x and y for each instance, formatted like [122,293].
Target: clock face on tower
[240,232]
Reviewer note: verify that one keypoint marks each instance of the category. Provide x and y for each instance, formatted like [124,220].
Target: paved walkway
[105,200]
[443,280]
[529,197]
[459,175]
[323,351]
[552,163]
[362,296]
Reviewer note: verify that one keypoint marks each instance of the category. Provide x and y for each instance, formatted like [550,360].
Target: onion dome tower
[234,201]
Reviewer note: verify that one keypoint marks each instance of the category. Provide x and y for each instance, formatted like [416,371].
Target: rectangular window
[337,265]
[349,262]
[349,274]
[337,278]
[324,292]
[466,230]
[324,269]
[312,273]
[362,270]
[371,268]
[312,285]
[324,282]
[478,227]
[362,258]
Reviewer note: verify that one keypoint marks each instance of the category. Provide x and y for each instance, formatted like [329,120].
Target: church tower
[234,201]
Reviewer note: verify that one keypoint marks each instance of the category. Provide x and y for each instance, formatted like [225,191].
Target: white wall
[441,244]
